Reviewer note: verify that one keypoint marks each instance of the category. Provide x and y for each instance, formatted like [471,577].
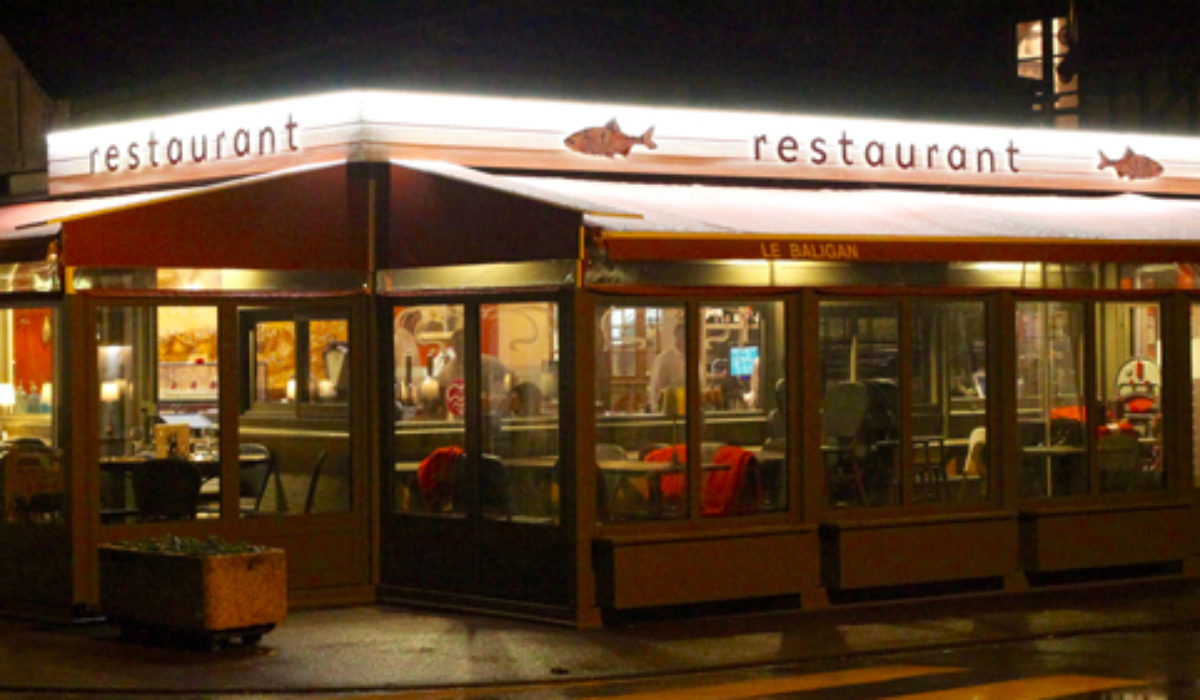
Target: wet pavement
[386,648]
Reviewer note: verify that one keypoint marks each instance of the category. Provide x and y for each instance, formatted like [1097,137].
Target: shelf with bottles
[26,399]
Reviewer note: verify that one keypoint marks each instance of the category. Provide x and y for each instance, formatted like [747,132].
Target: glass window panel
[518,472]
[30,460]
[860,405]
[743,439]
[429,429]
[1129,381]
[641,420]
[1051,409]
[949,408]
[1029,40]
[294,456]
[1160,276]
[158,393]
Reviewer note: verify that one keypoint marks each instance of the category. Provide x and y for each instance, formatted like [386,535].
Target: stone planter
[199,597]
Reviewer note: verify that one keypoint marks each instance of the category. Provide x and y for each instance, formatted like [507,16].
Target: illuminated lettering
[241,142]
[812,251]
[174,151]
[290,126]
[876,160]
[787,149]
[957,157]
[203,154]
[267,133]
[137,154]
[1012,157]
[979,160]
[151,144]
[877,153]
[818,148]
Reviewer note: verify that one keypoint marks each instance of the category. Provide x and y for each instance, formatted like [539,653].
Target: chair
[254,474]
[777,418]
[670,499]
[31,481]
[610,452]
[975,463]
[843,412]
[493,487]
[488,492]
[1120,463]
[166,489]
[315,476]
[738,489]
[436,476]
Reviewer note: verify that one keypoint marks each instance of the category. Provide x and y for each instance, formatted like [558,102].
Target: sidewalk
[391,648]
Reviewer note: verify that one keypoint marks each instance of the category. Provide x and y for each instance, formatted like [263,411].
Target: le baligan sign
[491,132]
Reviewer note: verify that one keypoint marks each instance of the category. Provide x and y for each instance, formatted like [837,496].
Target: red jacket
[435,476]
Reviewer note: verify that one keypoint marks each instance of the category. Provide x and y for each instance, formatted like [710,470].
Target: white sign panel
[611,138]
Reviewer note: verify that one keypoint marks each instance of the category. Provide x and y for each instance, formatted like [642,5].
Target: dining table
[1057,458]
[114,499]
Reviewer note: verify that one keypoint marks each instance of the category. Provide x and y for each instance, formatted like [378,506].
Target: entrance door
[474,504]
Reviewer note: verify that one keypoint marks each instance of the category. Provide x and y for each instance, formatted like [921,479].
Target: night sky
[947,58]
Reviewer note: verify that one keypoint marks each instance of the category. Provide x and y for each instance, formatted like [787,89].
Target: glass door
[474,502]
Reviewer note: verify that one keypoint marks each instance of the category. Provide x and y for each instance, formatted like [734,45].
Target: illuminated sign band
[546,135]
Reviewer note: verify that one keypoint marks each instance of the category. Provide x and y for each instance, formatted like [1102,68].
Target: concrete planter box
[207,597]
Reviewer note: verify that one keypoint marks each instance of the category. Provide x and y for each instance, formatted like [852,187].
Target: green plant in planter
[189,546]
[203,589]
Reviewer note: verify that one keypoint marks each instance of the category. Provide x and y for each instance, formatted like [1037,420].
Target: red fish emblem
[607,140]
[1132,165]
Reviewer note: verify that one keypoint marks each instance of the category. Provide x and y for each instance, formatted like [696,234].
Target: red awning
[26,229]
[445,214]
[305,218]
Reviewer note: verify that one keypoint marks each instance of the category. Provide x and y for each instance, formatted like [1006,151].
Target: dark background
[951,59]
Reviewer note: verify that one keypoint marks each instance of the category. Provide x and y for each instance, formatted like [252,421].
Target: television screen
[741,360]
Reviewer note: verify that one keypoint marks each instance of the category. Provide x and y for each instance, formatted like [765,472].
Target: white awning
[669,208]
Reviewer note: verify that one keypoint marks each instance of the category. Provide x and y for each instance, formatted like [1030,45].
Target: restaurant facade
[572,361]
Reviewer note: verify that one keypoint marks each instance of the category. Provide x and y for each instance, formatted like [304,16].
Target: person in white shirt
[667,370]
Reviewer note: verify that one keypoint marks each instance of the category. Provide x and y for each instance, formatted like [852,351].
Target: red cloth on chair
[435,476]
[721,487]
[670,485]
